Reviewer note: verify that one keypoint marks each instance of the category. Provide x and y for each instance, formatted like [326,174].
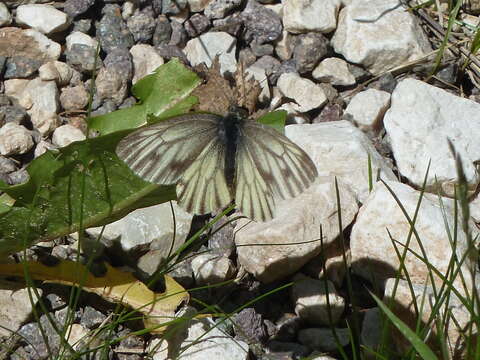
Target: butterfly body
[216,160]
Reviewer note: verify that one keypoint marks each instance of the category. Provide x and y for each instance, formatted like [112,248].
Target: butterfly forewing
[185,151]
[269,165]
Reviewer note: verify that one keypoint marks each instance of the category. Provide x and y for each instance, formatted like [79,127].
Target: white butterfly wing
[185,151]
[268,165]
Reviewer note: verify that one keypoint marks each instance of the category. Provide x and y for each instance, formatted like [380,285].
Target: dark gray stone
[128,102]
[287,327]
[3,59]
[218,9]
[120,60]
[36,346]
[309,49]
[92,318]
[221,240]
[82,58]
[261,50]
[19,67]
[173,7]
[360,73]
[55,302]
[15,114]
[196,25]
[170,51]
[142,26]
[183,274]
[163,31]
[77,7]
[7,165]
[179,35]
[249,326]
[262,25]
[82,25]
[112,31]
[386,82]
[107,107]
[231,24]
[330,112]
[157,7]
[290,350]
[271,66]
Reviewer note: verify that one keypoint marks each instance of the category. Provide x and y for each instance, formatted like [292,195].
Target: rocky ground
[353,76]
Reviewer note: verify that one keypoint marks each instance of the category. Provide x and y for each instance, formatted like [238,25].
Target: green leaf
[275,119]
[413,338]
[164,93]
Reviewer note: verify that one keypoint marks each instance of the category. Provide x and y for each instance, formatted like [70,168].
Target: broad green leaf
[275,119]
[164,93]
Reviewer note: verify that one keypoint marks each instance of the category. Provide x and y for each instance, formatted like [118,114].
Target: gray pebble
[82,25]
[271,66]
[157,6]
[262,24]
[19,67]
[128,102]
[77,7]
[7,165]
[246,57]
[3,59]
[287,350]
[107,107]
[163,31]
[112,31]
[4,100]
[82,58]
[12,113]
[361,75]
[170,51]
[179,35]
[261,50]
[231,24]
[196,25]
[218,9]
[120,60]
[18,177]
[309,49]
[173,7]
[142,26]
[92,318]
[249,326]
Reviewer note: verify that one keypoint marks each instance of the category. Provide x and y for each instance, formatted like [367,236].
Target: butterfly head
[237,113]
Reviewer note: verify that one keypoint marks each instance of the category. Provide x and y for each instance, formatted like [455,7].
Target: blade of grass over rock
[164,93]
[52,199]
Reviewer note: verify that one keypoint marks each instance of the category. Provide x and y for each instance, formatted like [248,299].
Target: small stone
[231,24]
[196,25]
[66,134]
[77,37]
[173,7]
[262,25]
[249,326]
[300,16]
[18,177]
[211,268]
[330,112]
[107,107]
[19,67]
[306,93]
[386,82]
[142,26]
[120,60]
[82,25]
[110,85]
[7,165]
[77,7]
[218,9]
[13,113]
[204,48]
[323,339]
[284,45]
[128,9]
[168,52]
[41,148]
[261,50]
[43,18]
[15,139]
[367,109]
[28,43]
[198,5]
[179,35]
[5,16]
[58,71]
[334,71]
[145,60]
[163,31]
[92,318]
[112,30]
[82,58]
[74,98]
[309,50]
[76,335]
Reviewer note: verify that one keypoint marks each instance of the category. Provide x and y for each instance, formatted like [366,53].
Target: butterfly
[216,160]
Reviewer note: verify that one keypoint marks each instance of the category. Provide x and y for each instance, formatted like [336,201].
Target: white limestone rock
[66,134]
[284,45]
[340,149]
[59,71]
[310,299]
[49,48]
[420,121]
[43,18]
[212,268]
[296,220]
[260,75]
[306,93]
[368,34]
[204,48]
[80,38]
[150,227]
[145,60]
[15,307]
[5,16]
[367,109]
[300,16]
[198,5]
[334,71]
[373,255]
[15,139]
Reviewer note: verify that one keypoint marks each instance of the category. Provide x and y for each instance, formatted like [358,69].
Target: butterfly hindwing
[185,151]
[268,165]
